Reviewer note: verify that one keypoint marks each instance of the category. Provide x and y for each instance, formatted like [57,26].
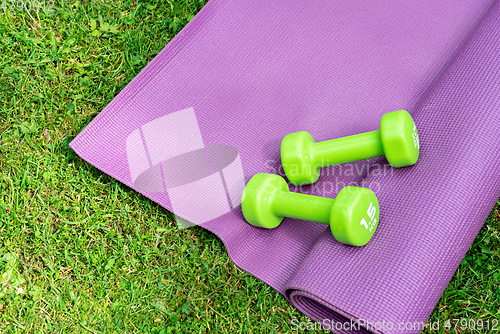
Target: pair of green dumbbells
[353,215]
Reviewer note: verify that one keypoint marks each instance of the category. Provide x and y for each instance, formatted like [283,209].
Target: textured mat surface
[210,111]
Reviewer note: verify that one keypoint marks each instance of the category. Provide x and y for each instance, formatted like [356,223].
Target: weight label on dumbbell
[416,142]
[371,212]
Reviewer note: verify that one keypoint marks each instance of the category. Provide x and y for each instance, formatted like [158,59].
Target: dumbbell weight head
[297,158]
[257,199]
[353,214]
[399,138]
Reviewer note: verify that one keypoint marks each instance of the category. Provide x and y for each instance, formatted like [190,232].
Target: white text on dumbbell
[371,212]
[416,142]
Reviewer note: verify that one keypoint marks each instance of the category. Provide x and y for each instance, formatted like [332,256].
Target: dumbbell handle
[341,150]
[304,207]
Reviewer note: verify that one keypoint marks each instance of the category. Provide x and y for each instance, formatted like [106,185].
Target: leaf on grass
[103,26]
[10,259]
[177,24]
[110,264]
[137,59]
[185,307]
[178,9]
[66,142]
[17,280]
[93,24]
[160,305]
[24,127]
[34,40]
[3,210]
[11,277]
[35,292]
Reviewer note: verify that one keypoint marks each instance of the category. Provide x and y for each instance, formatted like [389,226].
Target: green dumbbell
[397,139]
[352,216]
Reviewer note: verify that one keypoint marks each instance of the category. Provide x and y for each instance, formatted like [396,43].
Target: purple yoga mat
[210,111]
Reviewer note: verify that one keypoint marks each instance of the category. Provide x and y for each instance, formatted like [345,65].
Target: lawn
[80,252]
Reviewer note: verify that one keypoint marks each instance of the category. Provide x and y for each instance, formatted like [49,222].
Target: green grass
[80,252]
